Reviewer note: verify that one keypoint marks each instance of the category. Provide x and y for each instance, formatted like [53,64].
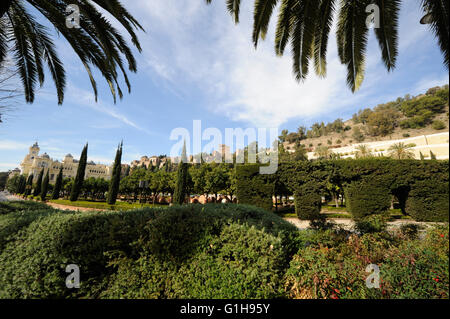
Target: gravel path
[5,196]
[348,223]
[74,208]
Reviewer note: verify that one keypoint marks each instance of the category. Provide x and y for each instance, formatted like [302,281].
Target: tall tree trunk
[4,6]
[336,200]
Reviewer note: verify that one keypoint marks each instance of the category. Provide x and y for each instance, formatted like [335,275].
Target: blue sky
[197,65]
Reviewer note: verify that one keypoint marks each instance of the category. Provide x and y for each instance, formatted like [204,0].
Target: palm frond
[305,19]
[326,13]
[284,26]
[439,10]
[262,15]
[387,33]
[23,56]
[233,7]
[352,40]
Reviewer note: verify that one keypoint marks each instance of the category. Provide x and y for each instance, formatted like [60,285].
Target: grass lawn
[102,205]
[341,212]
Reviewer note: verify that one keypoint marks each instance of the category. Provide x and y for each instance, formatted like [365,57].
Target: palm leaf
[439,10]
[284,26]
[326,12]
[387,33]
[304,22]
[352,40]
[262,15]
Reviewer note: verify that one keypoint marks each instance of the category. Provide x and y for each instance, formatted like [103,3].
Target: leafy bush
[366,198]
[237,262]
[15,206]
[438,125]
[428,201]
[371,224]
[308,203]
[408,268]
[33,264]
[209,246]
[253,188]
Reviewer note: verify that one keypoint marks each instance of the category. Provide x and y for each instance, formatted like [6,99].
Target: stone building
[34,162]
[154,161]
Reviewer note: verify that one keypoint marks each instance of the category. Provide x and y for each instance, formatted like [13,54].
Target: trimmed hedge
[386,176]
[429,202]
[365,198]
[14,206]
[308,202]
[253,188]
[211,251]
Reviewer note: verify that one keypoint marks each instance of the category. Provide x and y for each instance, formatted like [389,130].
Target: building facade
[33,163]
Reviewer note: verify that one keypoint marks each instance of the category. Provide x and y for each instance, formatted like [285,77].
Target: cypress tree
[433,157]
[29,185]
[182,174]
[58,184]
[22,184]
[127,172]
[45,187]
[115,178]
[37,190]
[79,178]
[421,156]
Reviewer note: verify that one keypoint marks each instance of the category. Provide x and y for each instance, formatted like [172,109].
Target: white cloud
[7,166]
[8,145]
[253,86]
[87,98]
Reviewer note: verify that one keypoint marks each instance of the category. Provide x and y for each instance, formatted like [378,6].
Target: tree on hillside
[115,178]
[300,153]
[382,123]
[401,151]
[95,40]
[306,25]
[58,184]
[323,152]
[363,151]
[45,183]
[181,187]
[37,189]
[358,135]
[79,178]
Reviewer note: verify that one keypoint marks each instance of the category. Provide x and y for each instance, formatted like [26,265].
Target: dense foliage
[429,201]
[79,178]
[254,188]
[333,266]
[368,183]
[190,251]
[115,178]
[210,251]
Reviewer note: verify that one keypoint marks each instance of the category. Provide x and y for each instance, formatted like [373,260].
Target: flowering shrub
[408,268]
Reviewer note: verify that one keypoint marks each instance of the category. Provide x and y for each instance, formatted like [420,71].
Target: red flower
[337,291]
[442,235]
[333,296]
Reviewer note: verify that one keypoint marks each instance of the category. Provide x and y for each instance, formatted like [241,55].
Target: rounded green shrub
[428,201]
[211,251]
[365,198]
[308,205]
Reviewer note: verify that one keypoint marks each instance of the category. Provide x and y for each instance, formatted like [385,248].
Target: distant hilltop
[409,116]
